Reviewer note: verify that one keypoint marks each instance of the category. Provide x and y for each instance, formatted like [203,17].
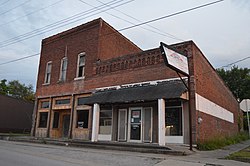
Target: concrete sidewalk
[208,158]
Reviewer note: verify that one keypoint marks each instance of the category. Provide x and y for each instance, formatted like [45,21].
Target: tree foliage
[16,89]
[238,81]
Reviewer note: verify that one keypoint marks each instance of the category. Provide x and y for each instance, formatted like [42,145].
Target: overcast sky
[221,31]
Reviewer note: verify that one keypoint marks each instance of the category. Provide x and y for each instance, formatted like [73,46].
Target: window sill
[46,84]
[79,78]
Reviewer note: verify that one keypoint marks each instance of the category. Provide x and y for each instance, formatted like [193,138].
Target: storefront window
[43,119]
[105,122]
[173,120]
[82,119]
[45,104]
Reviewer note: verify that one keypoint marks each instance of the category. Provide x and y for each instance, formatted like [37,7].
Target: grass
[220,142]
[243,155]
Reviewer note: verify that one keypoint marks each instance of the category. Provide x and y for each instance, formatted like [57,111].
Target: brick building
[94,84]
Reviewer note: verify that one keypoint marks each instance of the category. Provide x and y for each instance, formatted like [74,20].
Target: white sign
[245,105]
[175,59]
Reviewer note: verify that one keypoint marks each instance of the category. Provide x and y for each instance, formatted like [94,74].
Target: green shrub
[220,142]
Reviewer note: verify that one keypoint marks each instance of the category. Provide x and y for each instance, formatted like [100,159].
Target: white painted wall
[206,106]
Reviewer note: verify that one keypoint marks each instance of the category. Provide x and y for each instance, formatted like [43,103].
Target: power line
[146,22]
[15,7]
[230,64]
[171,15]
[4,2]
[19,59]
[58,24]
[6,23]
[159,31]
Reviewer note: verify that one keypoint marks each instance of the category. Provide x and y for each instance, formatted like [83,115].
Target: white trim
[104,137]
[47,83]
[139,83]
[60,76]
[129,124]
[126,124]
[206,106]
[77,69]
[95,125]
[174,139]
[161,122]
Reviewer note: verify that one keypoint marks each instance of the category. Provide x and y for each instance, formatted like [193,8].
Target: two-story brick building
[94,84]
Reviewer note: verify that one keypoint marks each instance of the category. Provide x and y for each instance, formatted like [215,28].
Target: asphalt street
[27,154]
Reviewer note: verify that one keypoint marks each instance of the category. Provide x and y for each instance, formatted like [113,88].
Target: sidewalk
[208,158]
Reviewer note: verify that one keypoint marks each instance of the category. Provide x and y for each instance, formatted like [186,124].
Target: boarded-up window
[43,119]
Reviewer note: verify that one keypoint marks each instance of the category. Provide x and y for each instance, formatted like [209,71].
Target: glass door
[135,127]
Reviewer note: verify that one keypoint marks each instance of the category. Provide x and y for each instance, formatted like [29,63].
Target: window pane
[45,104]
[64,64]
[63,101]
[81,71]
[56,120]
[43,119]
[81,60]
[173,117]
[82,119]
[105,122]
[49,68]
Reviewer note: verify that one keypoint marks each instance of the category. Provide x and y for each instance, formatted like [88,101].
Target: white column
[161,122]
[95,123]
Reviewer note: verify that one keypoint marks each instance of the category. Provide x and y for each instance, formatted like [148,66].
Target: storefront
[140,113]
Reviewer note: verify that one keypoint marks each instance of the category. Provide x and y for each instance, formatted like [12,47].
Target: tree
[16,89]
[238,81]
[3,87]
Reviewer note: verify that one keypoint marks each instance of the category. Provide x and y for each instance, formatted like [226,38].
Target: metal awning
[163,90]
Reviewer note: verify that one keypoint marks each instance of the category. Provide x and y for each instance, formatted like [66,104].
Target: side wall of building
[215,104]
[15,115]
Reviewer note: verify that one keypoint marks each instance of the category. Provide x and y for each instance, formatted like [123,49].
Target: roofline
[72,30]
[22,100]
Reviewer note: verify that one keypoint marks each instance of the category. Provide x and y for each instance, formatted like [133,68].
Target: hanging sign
[174,59]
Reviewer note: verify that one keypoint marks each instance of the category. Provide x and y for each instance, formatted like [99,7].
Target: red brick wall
[209,85]
[90,38]
[113,44]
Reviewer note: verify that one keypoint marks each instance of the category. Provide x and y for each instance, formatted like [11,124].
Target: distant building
[94,84]
[15,115]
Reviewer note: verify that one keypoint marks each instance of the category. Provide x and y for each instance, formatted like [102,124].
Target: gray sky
[221,30]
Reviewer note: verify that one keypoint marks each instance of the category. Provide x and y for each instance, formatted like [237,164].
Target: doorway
[140,124]
[65,129]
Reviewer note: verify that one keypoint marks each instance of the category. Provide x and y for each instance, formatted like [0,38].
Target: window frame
[83,54]
[46,82]
[61,78]
[39,123]
[77,126]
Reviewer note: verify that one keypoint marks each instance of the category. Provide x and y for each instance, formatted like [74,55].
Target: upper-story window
[80,65]
[63,70]
[48,73]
